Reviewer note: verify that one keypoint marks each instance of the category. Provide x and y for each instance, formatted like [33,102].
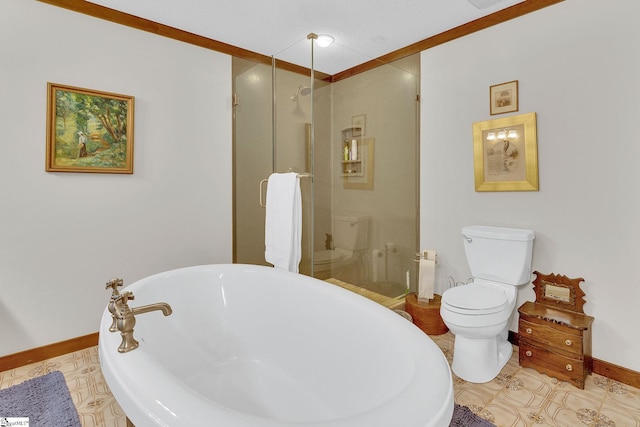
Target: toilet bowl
[350,234]
[327,256]
[327,261]
[479,313]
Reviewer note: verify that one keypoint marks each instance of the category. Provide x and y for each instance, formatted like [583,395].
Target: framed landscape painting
[88,130]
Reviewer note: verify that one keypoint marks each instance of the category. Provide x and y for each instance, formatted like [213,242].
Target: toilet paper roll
[427,275]
[374,264]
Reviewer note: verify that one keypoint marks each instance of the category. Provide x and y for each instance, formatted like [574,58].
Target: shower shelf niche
[352,166]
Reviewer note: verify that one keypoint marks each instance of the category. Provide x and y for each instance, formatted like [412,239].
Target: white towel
[427,275]
[283,221]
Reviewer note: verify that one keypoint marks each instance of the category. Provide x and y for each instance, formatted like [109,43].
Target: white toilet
[479,313]
[350,235]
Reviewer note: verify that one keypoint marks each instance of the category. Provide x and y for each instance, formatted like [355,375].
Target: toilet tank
[499,254]
[351,232]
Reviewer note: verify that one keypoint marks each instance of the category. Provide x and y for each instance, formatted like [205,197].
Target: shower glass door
[272,133]
[378,109]
[253,157]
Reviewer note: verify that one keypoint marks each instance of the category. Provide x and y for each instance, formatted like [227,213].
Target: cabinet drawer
[551,336]
[553,364]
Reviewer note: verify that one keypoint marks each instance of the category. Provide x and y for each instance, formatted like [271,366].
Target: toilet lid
[326,256]
[475,298]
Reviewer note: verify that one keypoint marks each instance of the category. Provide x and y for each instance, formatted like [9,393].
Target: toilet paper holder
[425,255]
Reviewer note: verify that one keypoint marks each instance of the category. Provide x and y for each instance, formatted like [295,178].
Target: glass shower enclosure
[354,142]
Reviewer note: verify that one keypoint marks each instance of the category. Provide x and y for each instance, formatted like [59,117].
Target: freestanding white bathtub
[252,346]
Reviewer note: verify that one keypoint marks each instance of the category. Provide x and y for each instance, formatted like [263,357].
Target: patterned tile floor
[517,397]
[523,397]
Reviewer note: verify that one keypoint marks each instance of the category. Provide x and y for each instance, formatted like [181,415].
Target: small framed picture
[504,98]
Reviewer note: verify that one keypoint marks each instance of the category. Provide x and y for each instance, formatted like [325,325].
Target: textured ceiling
[363,29]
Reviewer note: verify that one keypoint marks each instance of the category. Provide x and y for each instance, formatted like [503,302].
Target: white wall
[578,65]
[63,235]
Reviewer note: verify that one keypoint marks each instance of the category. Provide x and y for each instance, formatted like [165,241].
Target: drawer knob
[568,342]
[529,353]
[528,330]
[569,368]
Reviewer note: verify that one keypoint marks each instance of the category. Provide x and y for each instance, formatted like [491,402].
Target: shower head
[302,90]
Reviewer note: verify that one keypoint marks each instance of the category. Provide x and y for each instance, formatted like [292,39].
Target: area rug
[464,417]
[44,400]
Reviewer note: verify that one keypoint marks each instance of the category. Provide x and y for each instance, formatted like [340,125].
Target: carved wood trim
[576,295]
[132,21]
[479,24]
[101,12]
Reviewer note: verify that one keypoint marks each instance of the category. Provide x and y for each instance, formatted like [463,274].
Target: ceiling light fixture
[325,40]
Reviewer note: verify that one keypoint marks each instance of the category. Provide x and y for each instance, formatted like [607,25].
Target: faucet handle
[124,297]
[113,284]
[120,301]
[120,307]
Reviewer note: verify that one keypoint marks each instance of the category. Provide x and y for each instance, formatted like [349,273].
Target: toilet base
[479,360]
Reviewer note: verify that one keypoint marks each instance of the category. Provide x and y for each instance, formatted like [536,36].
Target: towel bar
[264,181]
[261,201]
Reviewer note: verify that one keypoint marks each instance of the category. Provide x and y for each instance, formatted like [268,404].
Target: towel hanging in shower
[283,221]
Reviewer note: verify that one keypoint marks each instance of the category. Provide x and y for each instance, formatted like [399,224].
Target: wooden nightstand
[554,334]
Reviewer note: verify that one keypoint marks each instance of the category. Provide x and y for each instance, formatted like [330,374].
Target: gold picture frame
[503,98]
[88,130]
[505,154]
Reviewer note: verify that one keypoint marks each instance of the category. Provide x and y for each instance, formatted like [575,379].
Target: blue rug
[44,400]
[464,417]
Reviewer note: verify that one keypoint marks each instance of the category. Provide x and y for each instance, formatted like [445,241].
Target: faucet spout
[159,306]
[126,320]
